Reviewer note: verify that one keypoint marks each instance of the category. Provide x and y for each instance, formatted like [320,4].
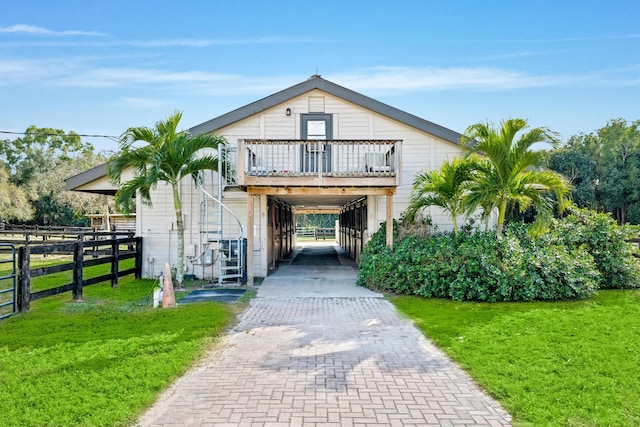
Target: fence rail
[86,253]
[39,236]
[316,232]
[54,228]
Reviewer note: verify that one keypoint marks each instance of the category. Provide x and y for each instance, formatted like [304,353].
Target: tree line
[602,168]
[502,173]
[33,169]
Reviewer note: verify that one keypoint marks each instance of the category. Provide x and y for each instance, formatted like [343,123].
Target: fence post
[78,261]
[23,297]
[138,273]
[115,255]
[95,247]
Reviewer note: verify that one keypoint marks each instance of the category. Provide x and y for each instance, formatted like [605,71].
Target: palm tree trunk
[502,210]
[455,224]
[180,225]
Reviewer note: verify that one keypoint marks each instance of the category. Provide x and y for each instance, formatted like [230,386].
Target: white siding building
[314,147]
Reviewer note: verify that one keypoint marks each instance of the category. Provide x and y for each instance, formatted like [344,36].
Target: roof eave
[75,182]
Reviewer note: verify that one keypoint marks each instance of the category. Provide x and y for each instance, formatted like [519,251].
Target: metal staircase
[221,232]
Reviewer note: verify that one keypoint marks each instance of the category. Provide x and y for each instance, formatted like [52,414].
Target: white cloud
[379,79]
[15,71]
[217,42]
[194,82]
[79,73]
[34,29]
[144,103]
[405,79]
[113,77]
[153,43]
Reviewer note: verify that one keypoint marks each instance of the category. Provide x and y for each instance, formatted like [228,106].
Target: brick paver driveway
[315,350]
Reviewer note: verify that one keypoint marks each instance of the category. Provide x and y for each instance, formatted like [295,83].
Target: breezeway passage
[314,349]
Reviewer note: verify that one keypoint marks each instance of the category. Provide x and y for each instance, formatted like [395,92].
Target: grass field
[549,364]
[102,361]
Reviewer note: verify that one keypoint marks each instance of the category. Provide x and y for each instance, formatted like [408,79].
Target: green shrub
[542,270]
[579,254]
[377,261]
[606,241]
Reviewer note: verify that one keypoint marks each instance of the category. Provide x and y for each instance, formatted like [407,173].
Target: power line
[113,138]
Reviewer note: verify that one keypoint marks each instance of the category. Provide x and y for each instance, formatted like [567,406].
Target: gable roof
[314,82]
[99,172]
[317,82]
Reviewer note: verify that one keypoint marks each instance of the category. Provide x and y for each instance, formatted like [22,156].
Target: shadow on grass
[101,361]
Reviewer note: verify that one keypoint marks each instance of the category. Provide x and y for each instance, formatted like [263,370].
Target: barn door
[316,128]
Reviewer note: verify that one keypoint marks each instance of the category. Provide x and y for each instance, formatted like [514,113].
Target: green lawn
[102,361]
[552,364]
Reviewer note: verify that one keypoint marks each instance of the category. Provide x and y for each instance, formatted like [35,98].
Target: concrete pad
[218,295]
[292,280]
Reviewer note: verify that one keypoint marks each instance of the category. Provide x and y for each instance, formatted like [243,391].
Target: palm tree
[446,188]
[513,172]
[166,155]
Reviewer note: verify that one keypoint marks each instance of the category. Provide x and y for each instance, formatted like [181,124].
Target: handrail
[309,158]
[206,193]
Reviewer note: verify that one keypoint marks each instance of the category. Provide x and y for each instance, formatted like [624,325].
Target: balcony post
[241,159]
[250,240]
[389,228]
[398,162]
[320,160]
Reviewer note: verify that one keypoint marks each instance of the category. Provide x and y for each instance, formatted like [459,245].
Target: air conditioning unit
[375,162]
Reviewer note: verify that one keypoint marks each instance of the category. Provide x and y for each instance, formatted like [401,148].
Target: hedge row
[579,254]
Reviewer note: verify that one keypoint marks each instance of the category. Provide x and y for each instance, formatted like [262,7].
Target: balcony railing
[323,161]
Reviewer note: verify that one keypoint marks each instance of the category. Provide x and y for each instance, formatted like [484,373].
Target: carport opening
[332,218]
[299,220]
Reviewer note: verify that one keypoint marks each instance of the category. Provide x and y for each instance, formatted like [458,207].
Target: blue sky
[99,67]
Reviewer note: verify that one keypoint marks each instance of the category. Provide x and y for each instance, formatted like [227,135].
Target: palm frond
[512,171]
[201,164]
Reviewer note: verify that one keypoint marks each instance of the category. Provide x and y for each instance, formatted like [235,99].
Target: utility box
[207,257]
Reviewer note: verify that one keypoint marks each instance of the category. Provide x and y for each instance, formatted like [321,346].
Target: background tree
[316,220]
[38,164]
[40,149]
[604,167]
[513,173]
[166,155]
[14,204]
[619,169]
[580,168]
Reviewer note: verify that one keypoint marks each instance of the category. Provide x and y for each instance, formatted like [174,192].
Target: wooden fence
[33,235]
[316,232]
[101,248]
[324,233]
[22,227]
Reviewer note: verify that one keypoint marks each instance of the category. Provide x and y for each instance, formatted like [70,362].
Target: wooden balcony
[319,163]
